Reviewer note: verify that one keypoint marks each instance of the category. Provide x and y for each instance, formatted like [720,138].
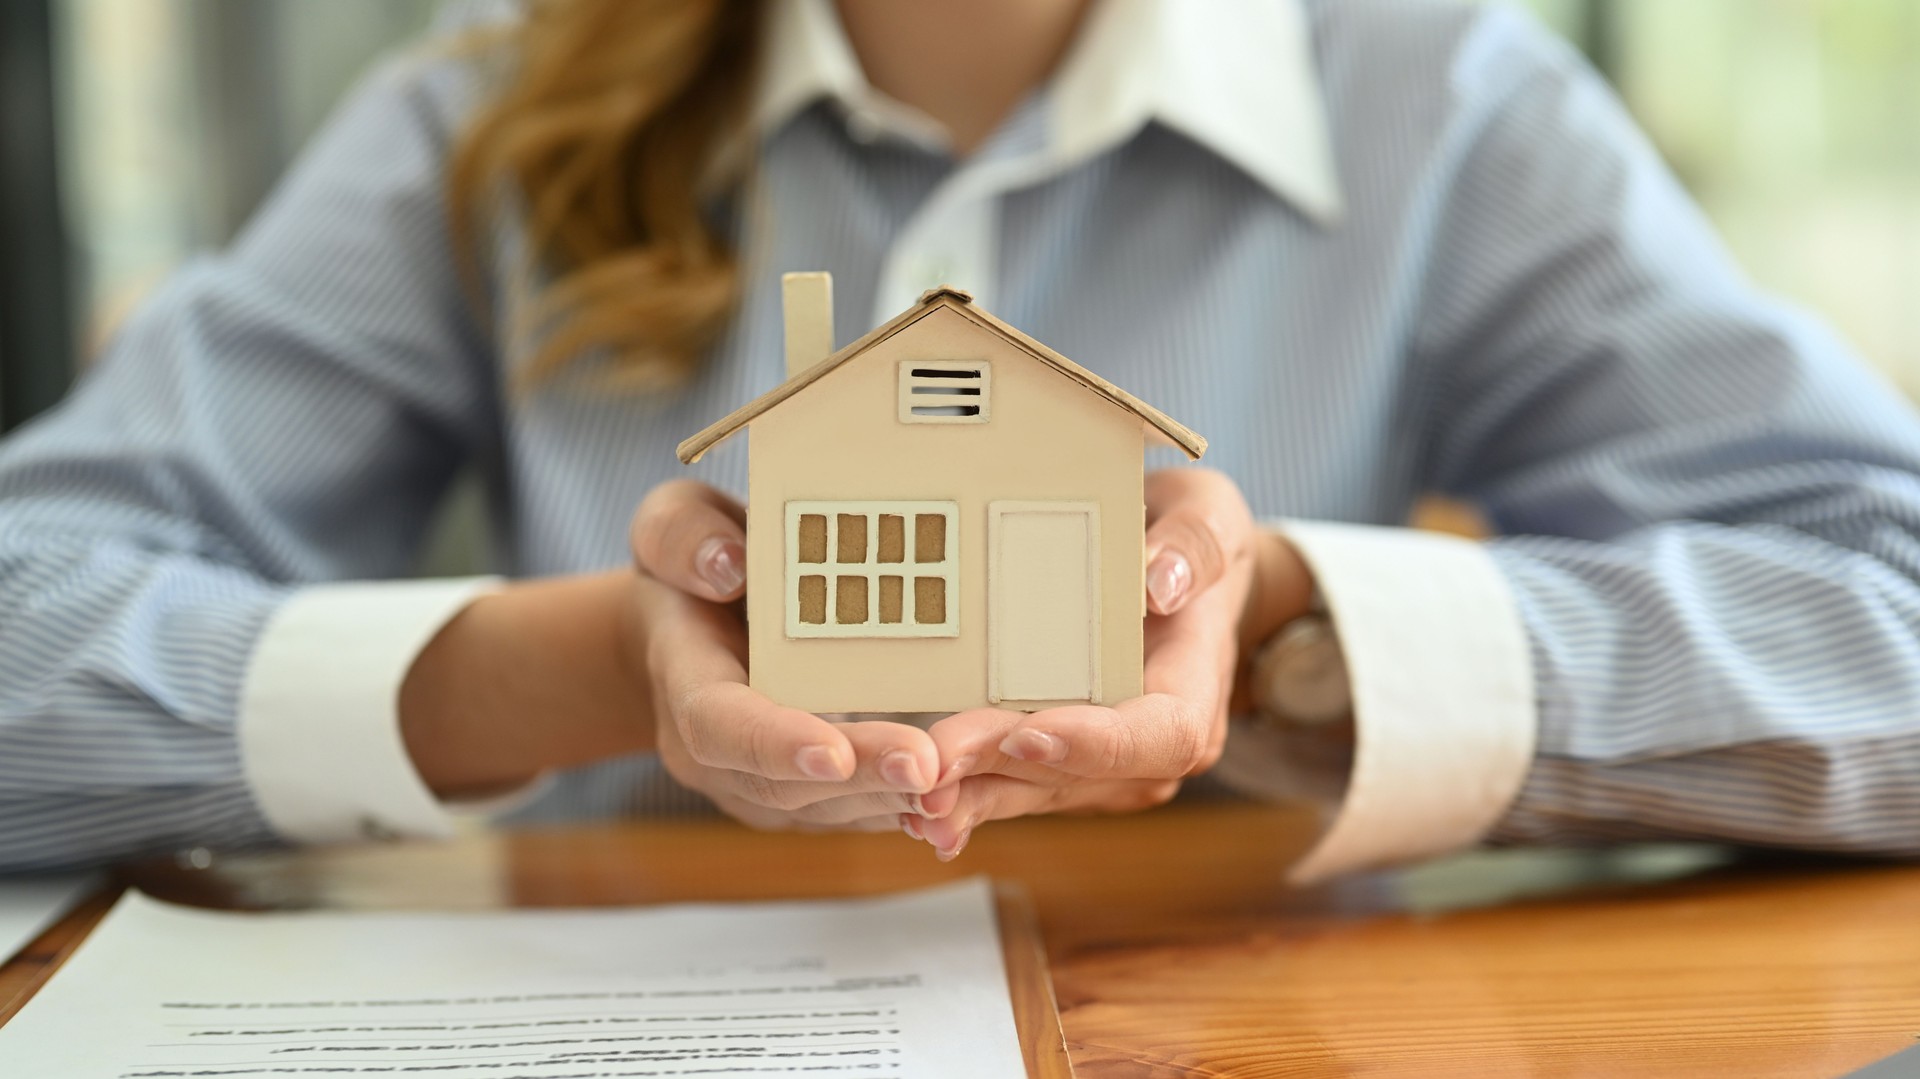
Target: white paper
[28,905]
[910,985]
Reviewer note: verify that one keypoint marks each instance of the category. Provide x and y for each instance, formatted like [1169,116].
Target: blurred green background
[1795,122]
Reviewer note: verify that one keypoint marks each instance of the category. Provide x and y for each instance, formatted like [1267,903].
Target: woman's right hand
[767,765]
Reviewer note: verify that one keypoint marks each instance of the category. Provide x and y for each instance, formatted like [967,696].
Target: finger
[1156,736]
[939,802]
[991,797]
[895,766]
[981,799]
[968,742]
[1190,658]
[726,725]
[1197,526]
[763,819]
[681,626]
[1201,640]
[853,809]
[1192,654]
[722,723]
[1058,747]
[719,720]
[1175,729]
[895,757]
[969,745]
[693,538]
[887,822]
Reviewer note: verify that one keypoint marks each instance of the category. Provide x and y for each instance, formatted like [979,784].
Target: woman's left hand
[1202,551]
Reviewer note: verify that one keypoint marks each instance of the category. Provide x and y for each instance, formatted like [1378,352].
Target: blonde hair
[603,131]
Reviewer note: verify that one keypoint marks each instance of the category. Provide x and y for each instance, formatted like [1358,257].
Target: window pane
[870,569]
[850,600]
[813,537]
[813,600]
[853,540]
[892,592]
[893,538]
[930,539]
[929,600]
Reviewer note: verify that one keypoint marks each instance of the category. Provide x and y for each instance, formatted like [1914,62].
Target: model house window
[945,391]
[873,569]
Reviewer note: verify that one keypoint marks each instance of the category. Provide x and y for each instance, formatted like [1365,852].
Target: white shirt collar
[1235,76]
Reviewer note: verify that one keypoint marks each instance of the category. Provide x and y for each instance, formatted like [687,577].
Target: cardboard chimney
[807,300]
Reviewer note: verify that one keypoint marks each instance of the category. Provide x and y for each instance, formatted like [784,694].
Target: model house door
[1043,607]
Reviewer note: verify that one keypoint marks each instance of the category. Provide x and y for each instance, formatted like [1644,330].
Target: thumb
[692,538]
[1197,524]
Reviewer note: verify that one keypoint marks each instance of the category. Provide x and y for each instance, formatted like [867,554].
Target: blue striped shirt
[1707,507]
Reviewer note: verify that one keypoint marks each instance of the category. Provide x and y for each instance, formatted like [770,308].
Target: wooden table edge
[49,951]
[1036,1010]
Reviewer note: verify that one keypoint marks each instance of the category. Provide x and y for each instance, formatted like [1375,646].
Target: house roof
[1159,425]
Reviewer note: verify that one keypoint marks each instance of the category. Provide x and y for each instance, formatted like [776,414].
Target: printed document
[903,986]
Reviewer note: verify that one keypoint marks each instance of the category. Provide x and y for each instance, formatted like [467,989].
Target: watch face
[1306,675]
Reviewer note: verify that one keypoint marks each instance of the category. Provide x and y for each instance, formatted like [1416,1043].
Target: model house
[944,514]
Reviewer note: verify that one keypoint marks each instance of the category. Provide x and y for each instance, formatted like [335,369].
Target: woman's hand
[1211,577]
[769,766]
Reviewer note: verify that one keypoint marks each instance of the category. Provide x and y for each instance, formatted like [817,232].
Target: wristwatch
[1300,675]
[1299,743]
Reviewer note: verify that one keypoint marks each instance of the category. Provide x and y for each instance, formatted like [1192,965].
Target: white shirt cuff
[319,722]
[1443,702]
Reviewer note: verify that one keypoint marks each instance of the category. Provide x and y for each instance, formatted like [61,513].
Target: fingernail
[722,564]
[1036,746]
[818,762]
[1168,579]
[959,845]
[900,770]
[910,824]
[955,770]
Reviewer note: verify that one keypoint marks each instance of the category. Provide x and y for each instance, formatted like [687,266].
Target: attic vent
[945,391]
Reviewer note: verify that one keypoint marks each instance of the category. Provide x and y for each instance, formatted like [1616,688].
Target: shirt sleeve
[1708,508]
[283,414]
[320,742]
[1442,686]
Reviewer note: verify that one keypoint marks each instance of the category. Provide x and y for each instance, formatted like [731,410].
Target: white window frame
[916,391]
[948,569]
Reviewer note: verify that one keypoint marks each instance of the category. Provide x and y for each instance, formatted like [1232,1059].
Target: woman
[1369,248]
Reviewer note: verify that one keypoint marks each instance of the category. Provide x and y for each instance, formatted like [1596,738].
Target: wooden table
[1177,949]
